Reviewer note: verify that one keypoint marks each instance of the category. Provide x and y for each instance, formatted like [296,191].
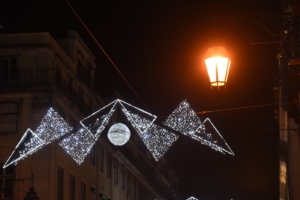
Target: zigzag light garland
[157,139]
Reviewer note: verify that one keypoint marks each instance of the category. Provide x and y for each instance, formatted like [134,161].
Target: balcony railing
[44,77]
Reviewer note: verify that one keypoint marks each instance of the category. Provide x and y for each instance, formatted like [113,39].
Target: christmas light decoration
[183,119]
[28,144]
[139,119]
[158,140]
[207,134]
[118,134]
[96,122]
[52,127]
[192,198]
[186,121]
[79,144]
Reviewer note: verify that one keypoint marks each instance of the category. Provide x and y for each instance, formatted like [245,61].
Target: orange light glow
[217,65]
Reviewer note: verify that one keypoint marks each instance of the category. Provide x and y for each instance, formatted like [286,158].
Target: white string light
[52,127]
[79,144]
[208,135]
[183,119]
[96,122]
[186,121]
[28,144]
[158,140]
[192,198]
[141,124]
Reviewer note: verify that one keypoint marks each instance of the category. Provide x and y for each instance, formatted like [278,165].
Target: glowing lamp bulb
[118,134]
[217,65]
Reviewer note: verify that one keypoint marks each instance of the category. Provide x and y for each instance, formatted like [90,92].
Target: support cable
[102,49]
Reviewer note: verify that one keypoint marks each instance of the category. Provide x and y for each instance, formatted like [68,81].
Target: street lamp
[217,64]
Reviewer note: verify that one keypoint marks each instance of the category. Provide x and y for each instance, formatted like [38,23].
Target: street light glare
[217,65]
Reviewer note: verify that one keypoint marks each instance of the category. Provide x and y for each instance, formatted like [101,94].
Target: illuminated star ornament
[185,120]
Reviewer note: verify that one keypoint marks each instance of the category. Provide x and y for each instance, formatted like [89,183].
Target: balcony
[44,77]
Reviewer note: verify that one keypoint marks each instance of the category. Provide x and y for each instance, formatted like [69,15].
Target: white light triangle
[183,119]
[52,127]
[186,121]
[28,144]
[210,136]
[79,144]
[192,198]
[158,140]
[139,119]
[96,122]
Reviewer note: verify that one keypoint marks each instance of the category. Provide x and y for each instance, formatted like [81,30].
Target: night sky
[159,47]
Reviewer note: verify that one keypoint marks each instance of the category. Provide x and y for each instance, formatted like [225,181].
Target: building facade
[38,72]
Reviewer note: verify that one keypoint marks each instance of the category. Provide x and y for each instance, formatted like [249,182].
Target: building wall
[60,75]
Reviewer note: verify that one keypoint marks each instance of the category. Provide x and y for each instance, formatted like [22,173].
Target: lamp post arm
[247,18]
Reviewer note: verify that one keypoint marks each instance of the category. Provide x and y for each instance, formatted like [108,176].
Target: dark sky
[159,48]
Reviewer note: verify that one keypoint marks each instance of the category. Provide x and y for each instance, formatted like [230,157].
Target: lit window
[8,118]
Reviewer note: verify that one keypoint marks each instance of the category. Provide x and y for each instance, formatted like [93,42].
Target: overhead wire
[105,53]
[237,108]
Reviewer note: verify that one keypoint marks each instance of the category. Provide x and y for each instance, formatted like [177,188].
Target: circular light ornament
[118,134]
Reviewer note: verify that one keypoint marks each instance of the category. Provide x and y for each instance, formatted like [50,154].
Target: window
[72,187]
[60,184]
[122,177]
[6,181]
[8,118]
[8,70]
[101,159]
[82,191]
[93,156]
[58,77]
[134,188]
[128,181]
[108,165]
[116,171]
